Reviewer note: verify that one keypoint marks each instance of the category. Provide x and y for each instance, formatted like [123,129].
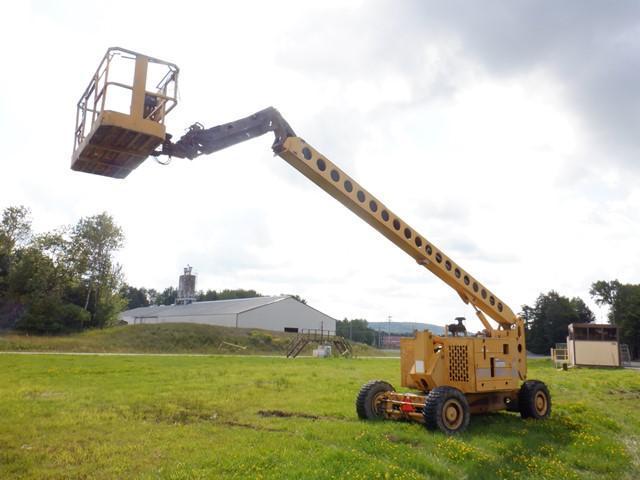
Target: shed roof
[215,307]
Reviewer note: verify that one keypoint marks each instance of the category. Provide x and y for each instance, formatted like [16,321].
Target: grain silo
[186,287]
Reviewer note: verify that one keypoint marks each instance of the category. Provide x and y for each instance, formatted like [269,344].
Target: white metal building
[268,313]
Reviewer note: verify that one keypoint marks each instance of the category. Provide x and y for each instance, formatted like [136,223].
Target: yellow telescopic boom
[324,173]
[456,374]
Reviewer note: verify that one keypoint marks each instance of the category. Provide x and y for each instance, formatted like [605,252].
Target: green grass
[163,338]
[199,417]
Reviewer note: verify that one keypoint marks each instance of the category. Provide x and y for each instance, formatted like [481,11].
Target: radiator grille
[458,363]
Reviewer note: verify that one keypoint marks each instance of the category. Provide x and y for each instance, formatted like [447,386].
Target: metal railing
[560,355]
[317,334]
[158,102]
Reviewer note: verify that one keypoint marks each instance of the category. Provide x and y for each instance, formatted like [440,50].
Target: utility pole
[389,331]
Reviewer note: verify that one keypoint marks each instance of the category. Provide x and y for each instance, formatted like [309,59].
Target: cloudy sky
[504,132]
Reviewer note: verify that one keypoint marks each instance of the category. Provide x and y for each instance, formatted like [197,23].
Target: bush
[260,338]
[50,315]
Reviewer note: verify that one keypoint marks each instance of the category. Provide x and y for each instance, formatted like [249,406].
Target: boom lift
[456,375]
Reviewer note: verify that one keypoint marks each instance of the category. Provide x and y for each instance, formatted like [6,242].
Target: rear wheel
[369,400]
[534,400]
[446,409]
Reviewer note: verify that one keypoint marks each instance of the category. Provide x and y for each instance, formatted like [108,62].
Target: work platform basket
[120,116]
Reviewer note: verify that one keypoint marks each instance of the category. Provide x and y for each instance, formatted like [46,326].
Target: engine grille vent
[458,363]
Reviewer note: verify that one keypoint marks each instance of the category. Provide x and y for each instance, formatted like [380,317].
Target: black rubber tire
[365,401]
[435,415]
[534,400]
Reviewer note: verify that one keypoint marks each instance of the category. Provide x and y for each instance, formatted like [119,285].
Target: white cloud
[489,155]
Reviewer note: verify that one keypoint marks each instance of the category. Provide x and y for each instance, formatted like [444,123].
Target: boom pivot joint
[202,141]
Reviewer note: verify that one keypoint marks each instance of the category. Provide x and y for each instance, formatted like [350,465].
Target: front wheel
[369,400]
[446,409]
[534,400]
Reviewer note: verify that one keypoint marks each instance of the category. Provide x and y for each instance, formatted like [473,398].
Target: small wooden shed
[593,344]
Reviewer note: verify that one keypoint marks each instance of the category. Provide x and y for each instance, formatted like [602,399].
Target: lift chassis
[455,375]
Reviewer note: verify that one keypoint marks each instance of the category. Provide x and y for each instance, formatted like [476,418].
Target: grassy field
[163,338]
[228,417]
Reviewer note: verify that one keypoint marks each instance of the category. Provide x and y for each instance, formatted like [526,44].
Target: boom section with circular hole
[352,195]
[315,166]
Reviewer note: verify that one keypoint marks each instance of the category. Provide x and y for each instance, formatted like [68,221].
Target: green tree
[15,231]
[15,228]
[296,297]
[548,320]
[585,315]
[37,283]
[624,309]
[167,297]
[93,242]
[135,297]
[61,280]
[604,293]
[357,330]
[208,296]
[238,293]
[227,294]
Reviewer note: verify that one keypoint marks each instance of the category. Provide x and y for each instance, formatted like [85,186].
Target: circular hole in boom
[322,166]
[373,206]
[348,186]
[360,195]
[306,153]
[335,176]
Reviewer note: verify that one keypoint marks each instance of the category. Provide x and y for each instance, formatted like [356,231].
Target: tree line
[67,280]
[62,280]
[547,320]
[357,330]
[623,300]
[145,297]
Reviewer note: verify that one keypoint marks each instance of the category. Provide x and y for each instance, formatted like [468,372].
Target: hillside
[163,338]
[406,328]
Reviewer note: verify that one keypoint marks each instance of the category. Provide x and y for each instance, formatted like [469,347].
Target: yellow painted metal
[488,367]
[139,87]
[471,364]
[494,361]
[111,142]
[320,170]
[409,406]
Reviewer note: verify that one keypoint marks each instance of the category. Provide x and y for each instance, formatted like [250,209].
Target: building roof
[216,307]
